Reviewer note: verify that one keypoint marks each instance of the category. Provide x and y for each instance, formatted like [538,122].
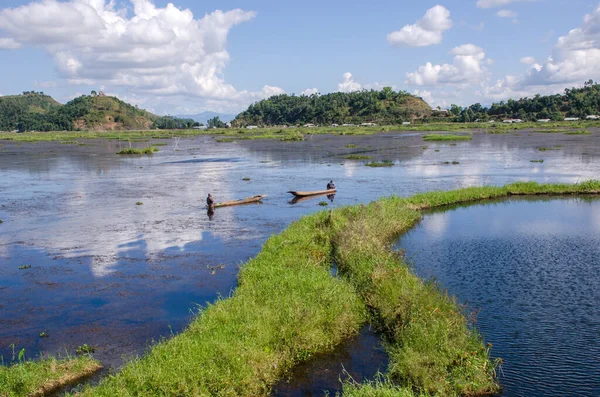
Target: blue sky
[189,57]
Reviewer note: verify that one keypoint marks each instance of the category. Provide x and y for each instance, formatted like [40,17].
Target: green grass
[550,130]
[432,346]
[44,377]
[351,146]
[24,267]
[357,157]
[544,149]
[384,163]
[578,132]
[446,137]
[287,307]
[146,150]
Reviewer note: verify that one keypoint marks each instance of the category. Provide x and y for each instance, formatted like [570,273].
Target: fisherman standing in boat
[330,185]
[210,202]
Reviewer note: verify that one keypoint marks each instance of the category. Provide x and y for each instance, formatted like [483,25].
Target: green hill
[384,107]
[33,111]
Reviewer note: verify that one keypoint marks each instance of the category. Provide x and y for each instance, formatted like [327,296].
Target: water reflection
[71,211]
[531,270]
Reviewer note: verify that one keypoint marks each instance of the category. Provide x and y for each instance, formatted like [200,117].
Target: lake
[119,276]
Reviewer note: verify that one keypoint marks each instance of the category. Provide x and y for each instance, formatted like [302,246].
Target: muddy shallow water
[116,275]
[531,271]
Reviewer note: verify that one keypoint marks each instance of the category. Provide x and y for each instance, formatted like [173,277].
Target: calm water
[531,270]
[119,276]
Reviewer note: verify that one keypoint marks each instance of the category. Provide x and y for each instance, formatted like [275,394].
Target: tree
[94,93]
[216,122]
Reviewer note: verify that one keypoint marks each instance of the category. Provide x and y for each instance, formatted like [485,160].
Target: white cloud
[468,66]
[158,51]
[497,3]
[348,84]
[506,14]
[528,60]
[309,91]
[426,31]
[8,44]
[575,59]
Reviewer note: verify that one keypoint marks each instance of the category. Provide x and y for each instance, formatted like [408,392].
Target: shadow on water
[530,268]
[360,358]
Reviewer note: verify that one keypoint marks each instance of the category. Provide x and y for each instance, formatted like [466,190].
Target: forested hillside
[34,111]
[574,102]
[384,107]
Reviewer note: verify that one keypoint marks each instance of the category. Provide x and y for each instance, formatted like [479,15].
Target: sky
[186,56]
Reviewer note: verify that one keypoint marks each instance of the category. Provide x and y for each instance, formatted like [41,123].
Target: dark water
[118,276]
[359,358]
[531,270]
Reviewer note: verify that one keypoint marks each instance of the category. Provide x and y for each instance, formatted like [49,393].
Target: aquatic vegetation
[45,377]
[146,150]
[245,179]
[536,161]
[44,334]
[453,162]
[351,145]
[384,163]
[323,203]
[139,203]
[85,349]
[160,144]
[543,149]
[357,157]
[447,137]
[578,132]
[23,267]
[550,130]
[288,307]
[1,221]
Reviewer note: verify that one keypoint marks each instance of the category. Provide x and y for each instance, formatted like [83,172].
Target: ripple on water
[531,270]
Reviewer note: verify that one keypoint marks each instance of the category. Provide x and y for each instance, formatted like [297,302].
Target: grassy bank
[146,150]
[41,378]
[288,306]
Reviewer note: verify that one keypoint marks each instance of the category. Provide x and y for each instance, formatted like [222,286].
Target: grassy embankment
[40,378]
[432,349]
[288,306]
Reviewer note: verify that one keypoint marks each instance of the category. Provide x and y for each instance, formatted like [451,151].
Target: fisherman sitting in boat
[210,202]
[330,185]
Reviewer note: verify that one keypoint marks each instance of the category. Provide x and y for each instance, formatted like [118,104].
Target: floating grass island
[146,150]
[447,137]
[288,306]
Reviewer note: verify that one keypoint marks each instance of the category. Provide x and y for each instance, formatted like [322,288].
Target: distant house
[334,125]
[15,131]
[571,118]
[348,125]
[592,117]
[510,121]
[228,124]
[309,125]
[491,121]
[252,127]
[406,123]
[543,120]
[200,127]
[368,124]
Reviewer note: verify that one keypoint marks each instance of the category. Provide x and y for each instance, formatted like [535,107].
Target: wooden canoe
[315,193]
[247,200]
